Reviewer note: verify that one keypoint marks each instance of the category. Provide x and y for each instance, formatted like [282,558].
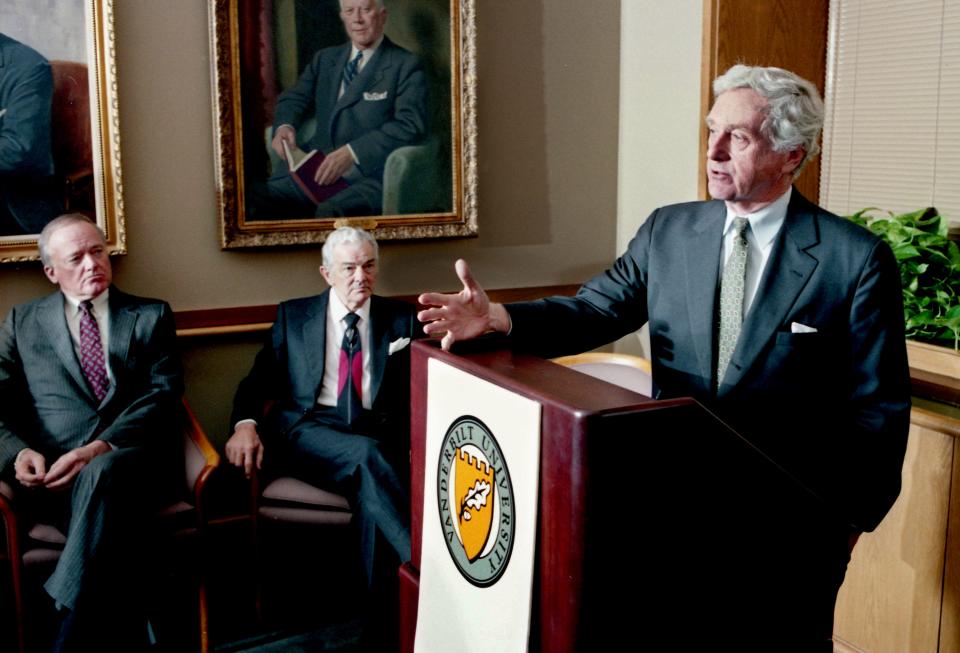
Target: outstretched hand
[463,315]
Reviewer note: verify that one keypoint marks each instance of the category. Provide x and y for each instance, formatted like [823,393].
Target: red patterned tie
[91,352]
[350,378]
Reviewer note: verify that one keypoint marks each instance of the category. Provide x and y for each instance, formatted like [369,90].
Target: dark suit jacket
[26,161]
[384,108]
[289,369]
[832,406]
[47,404]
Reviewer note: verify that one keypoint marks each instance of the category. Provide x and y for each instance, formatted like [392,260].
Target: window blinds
[892,130]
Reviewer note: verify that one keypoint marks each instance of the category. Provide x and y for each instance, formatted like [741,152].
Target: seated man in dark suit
[90,383]
[369,97]
[781,318]
[337,366]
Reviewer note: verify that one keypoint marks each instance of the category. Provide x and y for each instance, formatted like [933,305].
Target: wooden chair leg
[16,578]
[256,544]
[204,619]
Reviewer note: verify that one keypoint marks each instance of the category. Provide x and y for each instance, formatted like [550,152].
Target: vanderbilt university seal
[475,499]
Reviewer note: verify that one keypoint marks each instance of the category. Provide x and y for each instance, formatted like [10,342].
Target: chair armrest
[11,550]
[201,457]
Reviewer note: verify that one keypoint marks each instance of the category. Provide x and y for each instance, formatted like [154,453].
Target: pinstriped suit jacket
[47,404]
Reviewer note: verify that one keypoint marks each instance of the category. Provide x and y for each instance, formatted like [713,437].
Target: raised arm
[463,315]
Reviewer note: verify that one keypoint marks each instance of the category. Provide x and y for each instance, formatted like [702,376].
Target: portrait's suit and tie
[28,199]
[384,107]
[50,409]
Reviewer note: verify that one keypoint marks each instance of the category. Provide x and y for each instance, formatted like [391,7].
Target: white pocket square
[796,327]
[397,345]
[373,97]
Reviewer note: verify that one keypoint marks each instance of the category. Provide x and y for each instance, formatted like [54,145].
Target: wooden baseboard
[934,372]
[251,319]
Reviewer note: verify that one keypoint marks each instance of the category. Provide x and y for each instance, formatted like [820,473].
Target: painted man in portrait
[355,103]
[27,195]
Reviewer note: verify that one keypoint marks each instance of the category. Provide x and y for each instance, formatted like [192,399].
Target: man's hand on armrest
[464,315]
[244,448]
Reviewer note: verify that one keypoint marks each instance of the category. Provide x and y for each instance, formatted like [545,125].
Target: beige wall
[548,94]
[549,99]
[659,114]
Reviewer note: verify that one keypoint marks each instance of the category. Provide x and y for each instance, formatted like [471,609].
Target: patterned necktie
[350,379]
[91,352]
[731,297]
[351,69]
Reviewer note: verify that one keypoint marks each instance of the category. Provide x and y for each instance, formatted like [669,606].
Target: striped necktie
[731,297]
[91,352]
[351,69]
[350,378]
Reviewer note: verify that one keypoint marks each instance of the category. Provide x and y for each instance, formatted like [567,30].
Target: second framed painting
[332,109]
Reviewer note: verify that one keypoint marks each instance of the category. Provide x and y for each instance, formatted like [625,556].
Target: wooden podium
[653,515]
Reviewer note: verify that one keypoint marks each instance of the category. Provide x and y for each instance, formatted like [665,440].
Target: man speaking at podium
[781,318]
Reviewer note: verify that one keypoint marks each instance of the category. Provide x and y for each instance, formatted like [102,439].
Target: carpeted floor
[341,638]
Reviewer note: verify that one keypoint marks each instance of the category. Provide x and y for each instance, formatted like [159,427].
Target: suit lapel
[53,323]
[313,335]
[787,272]
[334,77]
[123,319]
[379,345]
[702,252]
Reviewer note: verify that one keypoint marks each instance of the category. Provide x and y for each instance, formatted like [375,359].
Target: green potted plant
[930,273]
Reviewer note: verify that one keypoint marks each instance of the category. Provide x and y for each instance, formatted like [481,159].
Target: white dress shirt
[765,224]
[336,327]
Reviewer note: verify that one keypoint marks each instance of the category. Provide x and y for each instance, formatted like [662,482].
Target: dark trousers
[281,199]
[100,578]
[368,467]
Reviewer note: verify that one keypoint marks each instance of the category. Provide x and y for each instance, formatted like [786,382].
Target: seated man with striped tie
[336,368]
[91,385]
[368,97]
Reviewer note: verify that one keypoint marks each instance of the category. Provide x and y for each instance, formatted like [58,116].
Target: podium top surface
[536,378]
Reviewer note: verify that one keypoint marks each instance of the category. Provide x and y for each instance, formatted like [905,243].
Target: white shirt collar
[367,52]
[338,310]
[100,302]
[765,223]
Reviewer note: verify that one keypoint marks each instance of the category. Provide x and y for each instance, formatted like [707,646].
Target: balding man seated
[90,383]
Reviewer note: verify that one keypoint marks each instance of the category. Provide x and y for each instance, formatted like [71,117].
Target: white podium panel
[479,515]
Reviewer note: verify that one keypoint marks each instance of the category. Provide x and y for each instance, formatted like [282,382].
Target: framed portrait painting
[59,127]
[334,109]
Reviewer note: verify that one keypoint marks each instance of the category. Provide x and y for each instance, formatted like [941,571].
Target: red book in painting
[303,168]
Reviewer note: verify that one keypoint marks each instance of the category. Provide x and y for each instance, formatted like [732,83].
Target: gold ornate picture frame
[84,124]
[261,48]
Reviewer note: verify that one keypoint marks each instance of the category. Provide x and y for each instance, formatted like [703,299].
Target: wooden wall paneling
[790,34]
[950,612]
[891,598]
